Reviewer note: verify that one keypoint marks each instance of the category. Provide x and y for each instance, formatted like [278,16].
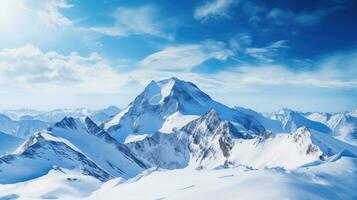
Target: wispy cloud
[258,13]
[214,9]
[186,56]
[143,20]
[281,16]
[240,41]
[266,53]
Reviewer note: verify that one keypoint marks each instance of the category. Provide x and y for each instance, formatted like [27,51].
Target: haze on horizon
[260,55]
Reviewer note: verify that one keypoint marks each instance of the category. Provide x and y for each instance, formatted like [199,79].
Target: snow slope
[273,125]
[8,143]
[57,184]
[331,180]
[104,115]
[161,102]
[98,146]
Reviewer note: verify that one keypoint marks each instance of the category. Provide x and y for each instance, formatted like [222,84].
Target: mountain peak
[158,92]
[174,94]
[211,116]
[161,100]
[67,123]
[211,123]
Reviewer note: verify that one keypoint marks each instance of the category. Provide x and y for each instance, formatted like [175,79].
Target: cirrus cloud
[142,20]
[214,8]
[185,57]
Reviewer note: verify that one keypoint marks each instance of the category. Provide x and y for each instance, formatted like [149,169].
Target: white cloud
[134,21]
[214,8]
[28,68]
[47,12]
[51,15]
[32,74]
[267,53]
[237,43]
[26,20]
[185,57]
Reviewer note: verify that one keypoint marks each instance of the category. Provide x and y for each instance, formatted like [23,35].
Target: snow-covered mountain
[292,120]
[343,125]
[23,123]
[58,114]
[210,142]
[41,153]
[99,146]
[52,116]
[20,113]
[273,125]
[72,144]
[204,142]
[169,104]
[22,128]
[174,131]
[104,115]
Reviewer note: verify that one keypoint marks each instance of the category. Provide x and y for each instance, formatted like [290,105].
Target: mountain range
[171,127]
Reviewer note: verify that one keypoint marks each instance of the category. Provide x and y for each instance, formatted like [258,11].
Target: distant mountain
[170,104]
[292,120]
[23,123]
[343,125]
[273,125]
[18,114]
[23,128]
[104,115]
[58,114]
[8,143]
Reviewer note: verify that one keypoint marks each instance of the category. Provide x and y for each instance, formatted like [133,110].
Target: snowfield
[57,184]
[335,180]
[330,180]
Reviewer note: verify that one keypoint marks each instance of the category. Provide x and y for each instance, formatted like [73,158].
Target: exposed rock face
[204,142]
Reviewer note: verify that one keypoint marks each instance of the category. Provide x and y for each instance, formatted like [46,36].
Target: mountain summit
[168,104]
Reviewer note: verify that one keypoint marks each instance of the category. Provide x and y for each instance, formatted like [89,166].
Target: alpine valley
[173,141]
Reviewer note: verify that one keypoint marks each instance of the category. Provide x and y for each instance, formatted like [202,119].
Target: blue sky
[263,55]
